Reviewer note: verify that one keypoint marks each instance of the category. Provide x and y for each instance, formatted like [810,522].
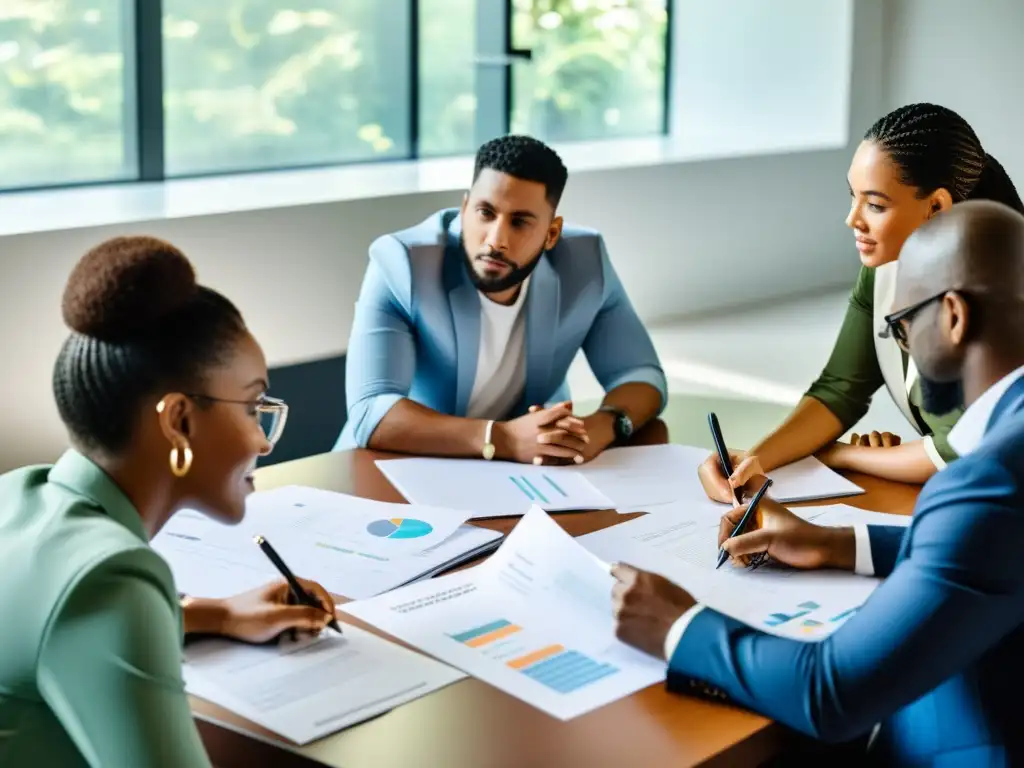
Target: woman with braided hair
[913,163]
[163,392]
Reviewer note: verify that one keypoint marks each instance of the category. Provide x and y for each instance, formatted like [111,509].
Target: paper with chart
[310,688]
[492,488]
[535,620]
[683,547]
[645,478]
[319,542]
[378,527]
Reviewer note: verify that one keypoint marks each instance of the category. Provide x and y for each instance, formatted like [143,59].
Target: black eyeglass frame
[894,327]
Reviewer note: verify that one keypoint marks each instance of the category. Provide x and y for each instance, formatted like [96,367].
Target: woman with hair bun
[163,392]
[914,163]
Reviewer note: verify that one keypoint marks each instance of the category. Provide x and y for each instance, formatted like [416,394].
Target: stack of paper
[535,620]
[352,546]
[646,477]
[627,479]
[307,689]
[682,545]
[492,488]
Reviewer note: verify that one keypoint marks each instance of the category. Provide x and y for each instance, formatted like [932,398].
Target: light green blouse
[853,373]
[90,646]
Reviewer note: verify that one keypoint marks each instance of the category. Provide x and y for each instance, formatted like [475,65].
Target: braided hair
[140,325]
[934,148]
[524,157]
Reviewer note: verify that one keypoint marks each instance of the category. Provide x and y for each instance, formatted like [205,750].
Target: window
[63,118]
[447,77]
[101,90]
[264,83]
[597,68]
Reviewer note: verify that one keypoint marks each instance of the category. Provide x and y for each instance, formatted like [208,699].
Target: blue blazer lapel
[465,306]
[542,311]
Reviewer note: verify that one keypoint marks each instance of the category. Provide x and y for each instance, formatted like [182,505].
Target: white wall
[685,237]
[968,56]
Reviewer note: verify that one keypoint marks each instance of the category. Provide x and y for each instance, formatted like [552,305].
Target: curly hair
[525,158]
[140,323]
[935,148]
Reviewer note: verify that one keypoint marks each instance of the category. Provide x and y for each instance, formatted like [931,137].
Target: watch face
[625,425]
[489,451]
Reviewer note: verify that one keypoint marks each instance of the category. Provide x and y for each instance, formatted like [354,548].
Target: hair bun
[123,287]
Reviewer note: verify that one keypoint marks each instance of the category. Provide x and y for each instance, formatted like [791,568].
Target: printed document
[349,555]
[535,620]
[492,488]
[682,545]
[644,478]
[306,689]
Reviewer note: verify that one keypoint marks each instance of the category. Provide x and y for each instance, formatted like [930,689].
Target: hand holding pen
[301,596]
[750,511]
[725,474]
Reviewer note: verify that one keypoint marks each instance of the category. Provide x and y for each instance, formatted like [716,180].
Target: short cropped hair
[524,157]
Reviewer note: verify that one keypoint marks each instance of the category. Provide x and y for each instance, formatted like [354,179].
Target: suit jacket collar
[465,308]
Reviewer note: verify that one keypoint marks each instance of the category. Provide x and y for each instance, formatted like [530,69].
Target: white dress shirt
[964,438]
[501,359]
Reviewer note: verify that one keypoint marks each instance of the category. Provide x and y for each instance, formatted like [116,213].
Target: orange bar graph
[533,658]
[490,637]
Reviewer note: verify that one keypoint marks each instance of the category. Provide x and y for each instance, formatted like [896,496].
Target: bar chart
[533,490]
[810,618]
[551,664]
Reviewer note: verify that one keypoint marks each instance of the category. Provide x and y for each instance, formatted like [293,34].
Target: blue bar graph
[528,489]
[569,671]
[535,490]
[555,485]
[843,615]
[525,491]
[480,631]
[776,619]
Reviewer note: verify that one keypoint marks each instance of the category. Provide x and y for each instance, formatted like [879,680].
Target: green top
[90,652]
[853,374]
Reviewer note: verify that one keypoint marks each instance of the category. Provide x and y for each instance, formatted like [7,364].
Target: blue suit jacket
[416,332]
[937,652]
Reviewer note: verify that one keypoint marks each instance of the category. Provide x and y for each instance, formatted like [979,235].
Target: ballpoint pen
[301,595]
[751,508]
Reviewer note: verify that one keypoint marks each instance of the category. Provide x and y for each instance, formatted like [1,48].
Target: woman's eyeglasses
[272,412]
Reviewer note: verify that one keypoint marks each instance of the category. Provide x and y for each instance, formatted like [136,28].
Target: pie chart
[399,528]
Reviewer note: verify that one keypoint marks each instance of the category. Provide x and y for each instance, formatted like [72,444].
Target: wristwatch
[623,424]
[488,449]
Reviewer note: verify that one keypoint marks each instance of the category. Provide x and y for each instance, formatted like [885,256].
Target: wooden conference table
[472,725]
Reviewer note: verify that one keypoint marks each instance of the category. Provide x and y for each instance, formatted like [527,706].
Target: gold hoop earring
[180,469]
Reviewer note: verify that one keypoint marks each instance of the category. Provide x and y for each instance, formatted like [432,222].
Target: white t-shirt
[501,361]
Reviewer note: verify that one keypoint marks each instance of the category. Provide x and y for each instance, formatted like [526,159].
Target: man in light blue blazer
[467,323]
[932,665]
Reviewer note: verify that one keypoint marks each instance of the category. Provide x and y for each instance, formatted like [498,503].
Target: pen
[301,595]
[723,452]
[751,508]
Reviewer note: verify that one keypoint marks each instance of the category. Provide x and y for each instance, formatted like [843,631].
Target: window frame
[145,140]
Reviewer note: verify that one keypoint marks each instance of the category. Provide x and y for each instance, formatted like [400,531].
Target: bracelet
[488,449]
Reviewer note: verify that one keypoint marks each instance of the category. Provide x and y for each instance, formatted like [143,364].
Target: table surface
[474,725]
